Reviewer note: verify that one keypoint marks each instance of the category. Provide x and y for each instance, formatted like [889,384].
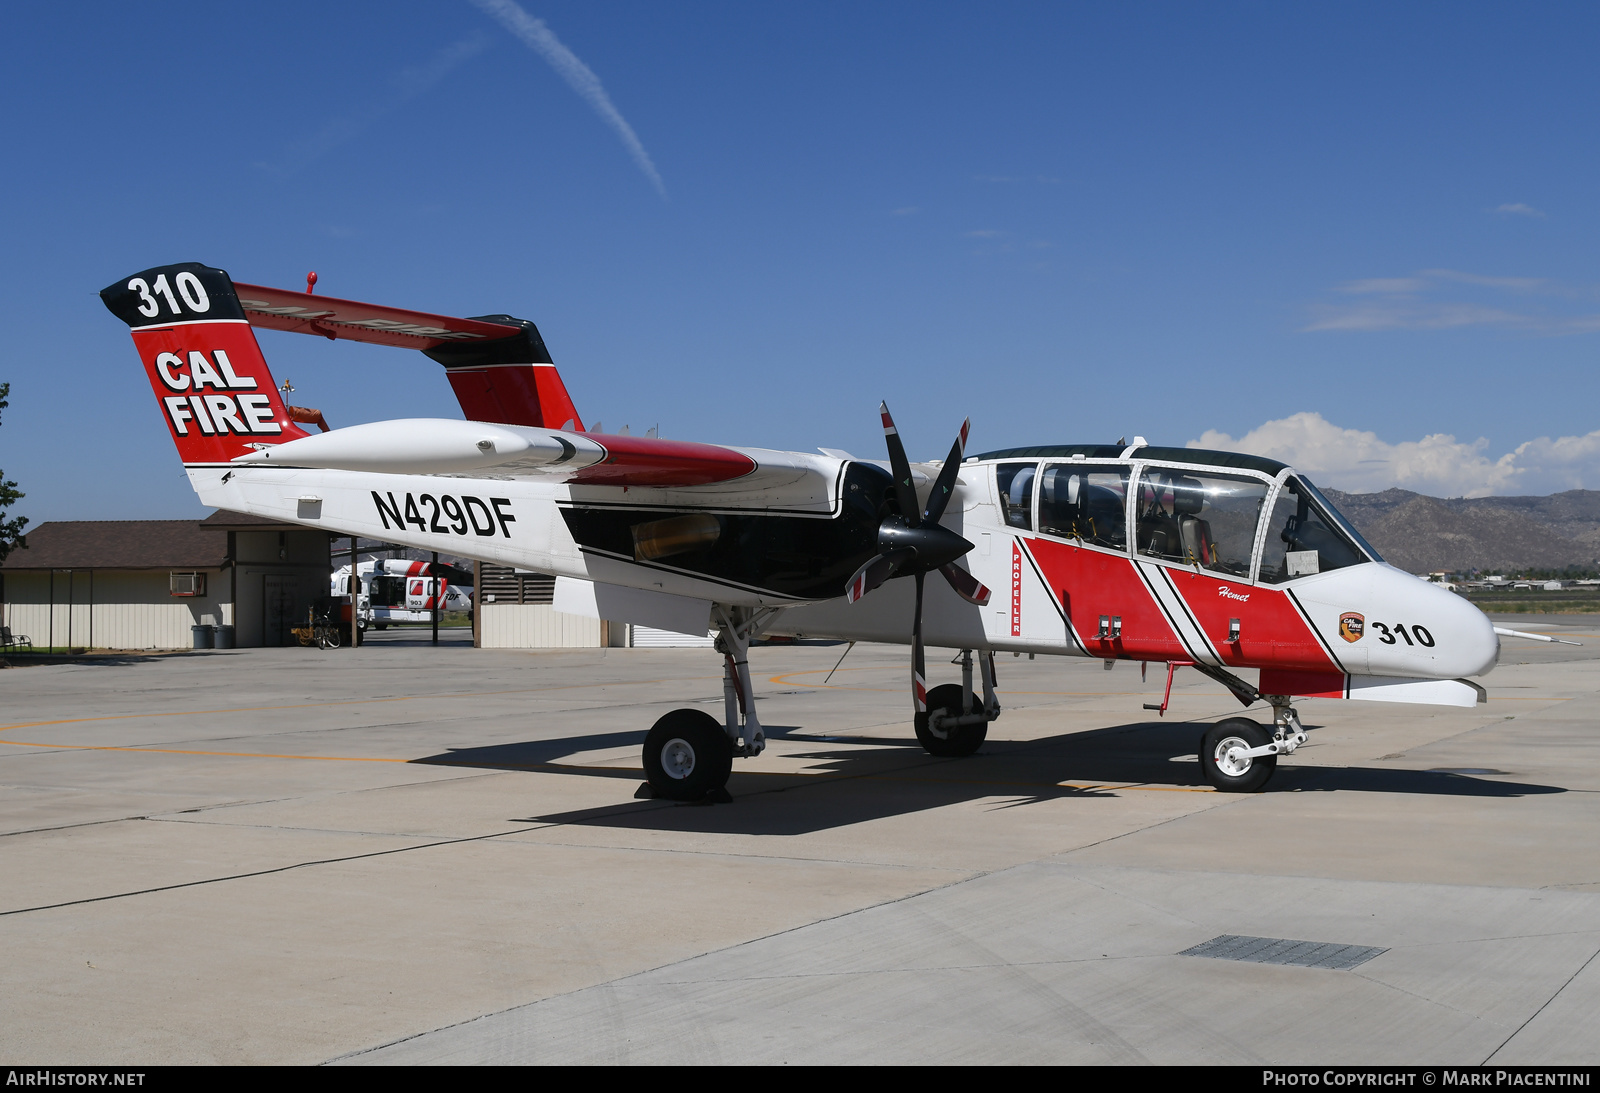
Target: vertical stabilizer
[509,380]
[211,381]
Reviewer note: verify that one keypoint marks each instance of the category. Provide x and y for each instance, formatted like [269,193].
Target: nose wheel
[1226,756]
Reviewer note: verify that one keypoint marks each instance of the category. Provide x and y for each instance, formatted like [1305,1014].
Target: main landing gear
[1238,755]
[954,724]
[688,756]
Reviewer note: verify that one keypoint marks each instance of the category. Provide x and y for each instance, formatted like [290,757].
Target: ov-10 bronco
[1232,564]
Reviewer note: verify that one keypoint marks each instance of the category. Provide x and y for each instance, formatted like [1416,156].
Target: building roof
[226,520]
[121,544]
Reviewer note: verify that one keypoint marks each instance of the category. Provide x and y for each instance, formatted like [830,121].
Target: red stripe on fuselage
[1089,583]
[1272,632]
[1279,681]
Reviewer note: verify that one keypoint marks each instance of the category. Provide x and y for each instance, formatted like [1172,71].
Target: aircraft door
[1086,502]
[1199,519]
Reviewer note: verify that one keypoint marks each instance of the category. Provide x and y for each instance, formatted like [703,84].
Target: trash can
[224,637]
[205,637]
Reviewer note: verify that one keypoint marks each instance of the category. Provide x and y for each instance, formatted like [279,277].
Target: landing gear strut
[687,755]
[954,724]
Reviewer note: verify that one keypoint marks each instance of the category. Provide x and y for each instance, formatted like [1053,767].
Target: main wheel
[954,741]
[1236,775]
[687,755]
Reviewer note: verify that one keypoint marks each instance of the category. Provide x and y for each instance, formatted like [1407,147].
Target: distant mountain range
[1423,534]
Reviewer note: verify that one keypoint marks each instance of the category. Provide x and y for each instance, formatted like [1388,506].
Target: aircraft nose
[1477,645]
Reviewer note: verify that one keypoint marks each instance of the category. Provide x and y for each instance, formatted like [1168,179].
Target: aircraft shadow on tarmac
[854,779]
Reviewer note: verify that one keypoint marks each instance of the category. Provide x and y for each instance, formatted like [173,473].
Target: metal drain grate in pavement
[1278,950]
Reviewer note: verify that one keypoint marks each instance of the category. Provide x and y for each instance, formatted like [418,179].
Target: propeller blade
[873,573]
[919,681]
[905,492]
[966,585]
[946,482]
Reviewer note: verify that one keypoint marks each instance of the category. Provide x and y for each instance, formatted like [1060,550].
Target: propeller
[912,543]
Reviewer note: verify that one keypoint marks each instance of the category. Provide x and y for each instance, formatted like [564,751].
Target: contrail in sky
[578,75]
[406,86]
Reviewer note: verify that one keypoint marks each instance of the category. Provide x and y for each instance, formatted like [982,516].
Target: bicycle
[325,631]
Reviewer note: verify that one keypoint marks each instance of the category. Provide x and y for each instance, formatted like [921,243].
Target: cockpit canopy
[1266,524]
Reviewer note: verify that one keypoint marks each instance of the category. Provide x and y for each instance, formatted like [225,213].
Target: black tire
[1246,776]
[952,743]
[380,626]
[687,755]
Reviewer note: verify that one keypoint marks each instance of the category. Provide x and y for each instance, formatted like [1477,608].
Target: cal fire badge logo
[1352,625]
[1016,590]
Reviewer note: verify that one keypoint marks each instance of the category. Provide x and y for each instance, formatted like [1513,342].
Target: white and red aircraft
[398,590]
[1223,562]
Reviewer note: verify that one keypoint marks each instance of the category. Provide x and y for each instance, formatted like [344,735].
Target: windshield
[1306,535]
[1346,525]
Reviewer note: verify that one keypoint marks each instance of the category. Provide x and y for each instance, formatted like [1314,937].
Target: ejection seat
[1188,500]
[1181,536]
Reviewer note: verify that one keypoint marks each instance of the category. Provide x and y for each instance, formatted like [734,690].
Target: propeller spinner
[910,544]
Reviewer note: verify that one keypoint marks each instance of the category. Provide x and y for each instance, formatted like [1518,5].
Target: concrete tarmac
[399,854]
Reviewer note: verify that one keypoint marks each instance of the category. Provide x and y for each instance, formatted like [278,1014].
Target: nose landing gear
[1238,755]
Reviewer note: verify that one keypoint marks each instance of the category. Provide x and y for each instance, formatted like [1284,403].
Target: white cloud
[1519,209]
[1448,299]
[1441,465]
[579,76]
[1425,316]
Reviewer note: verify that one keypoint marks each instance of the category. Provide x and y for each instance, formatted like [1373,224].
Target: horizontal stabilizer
[498,365]
[305,313]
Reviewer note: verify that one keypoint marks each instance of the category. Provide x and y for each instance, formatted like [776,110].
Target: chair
[8,640]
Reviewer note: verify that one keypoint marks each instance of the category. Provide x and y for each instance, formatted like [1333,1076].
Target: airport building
[146,584]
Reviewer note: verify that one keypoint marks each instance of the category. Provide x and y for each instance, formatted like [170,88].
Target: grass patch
[1564,602]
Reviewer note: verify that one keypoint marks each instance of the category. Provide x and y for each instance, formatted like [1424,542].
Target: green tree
[10,530]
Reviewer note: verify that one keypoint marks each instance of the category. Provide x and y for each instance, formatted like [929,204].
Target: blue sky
[1359,236]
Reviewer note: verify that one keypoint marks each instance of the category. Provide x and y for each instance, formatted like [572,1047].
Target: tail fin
[210,379]
[509,380]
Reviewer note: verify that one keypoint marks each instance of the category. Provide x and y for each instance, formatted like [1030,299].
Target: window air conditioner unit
[187,584]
